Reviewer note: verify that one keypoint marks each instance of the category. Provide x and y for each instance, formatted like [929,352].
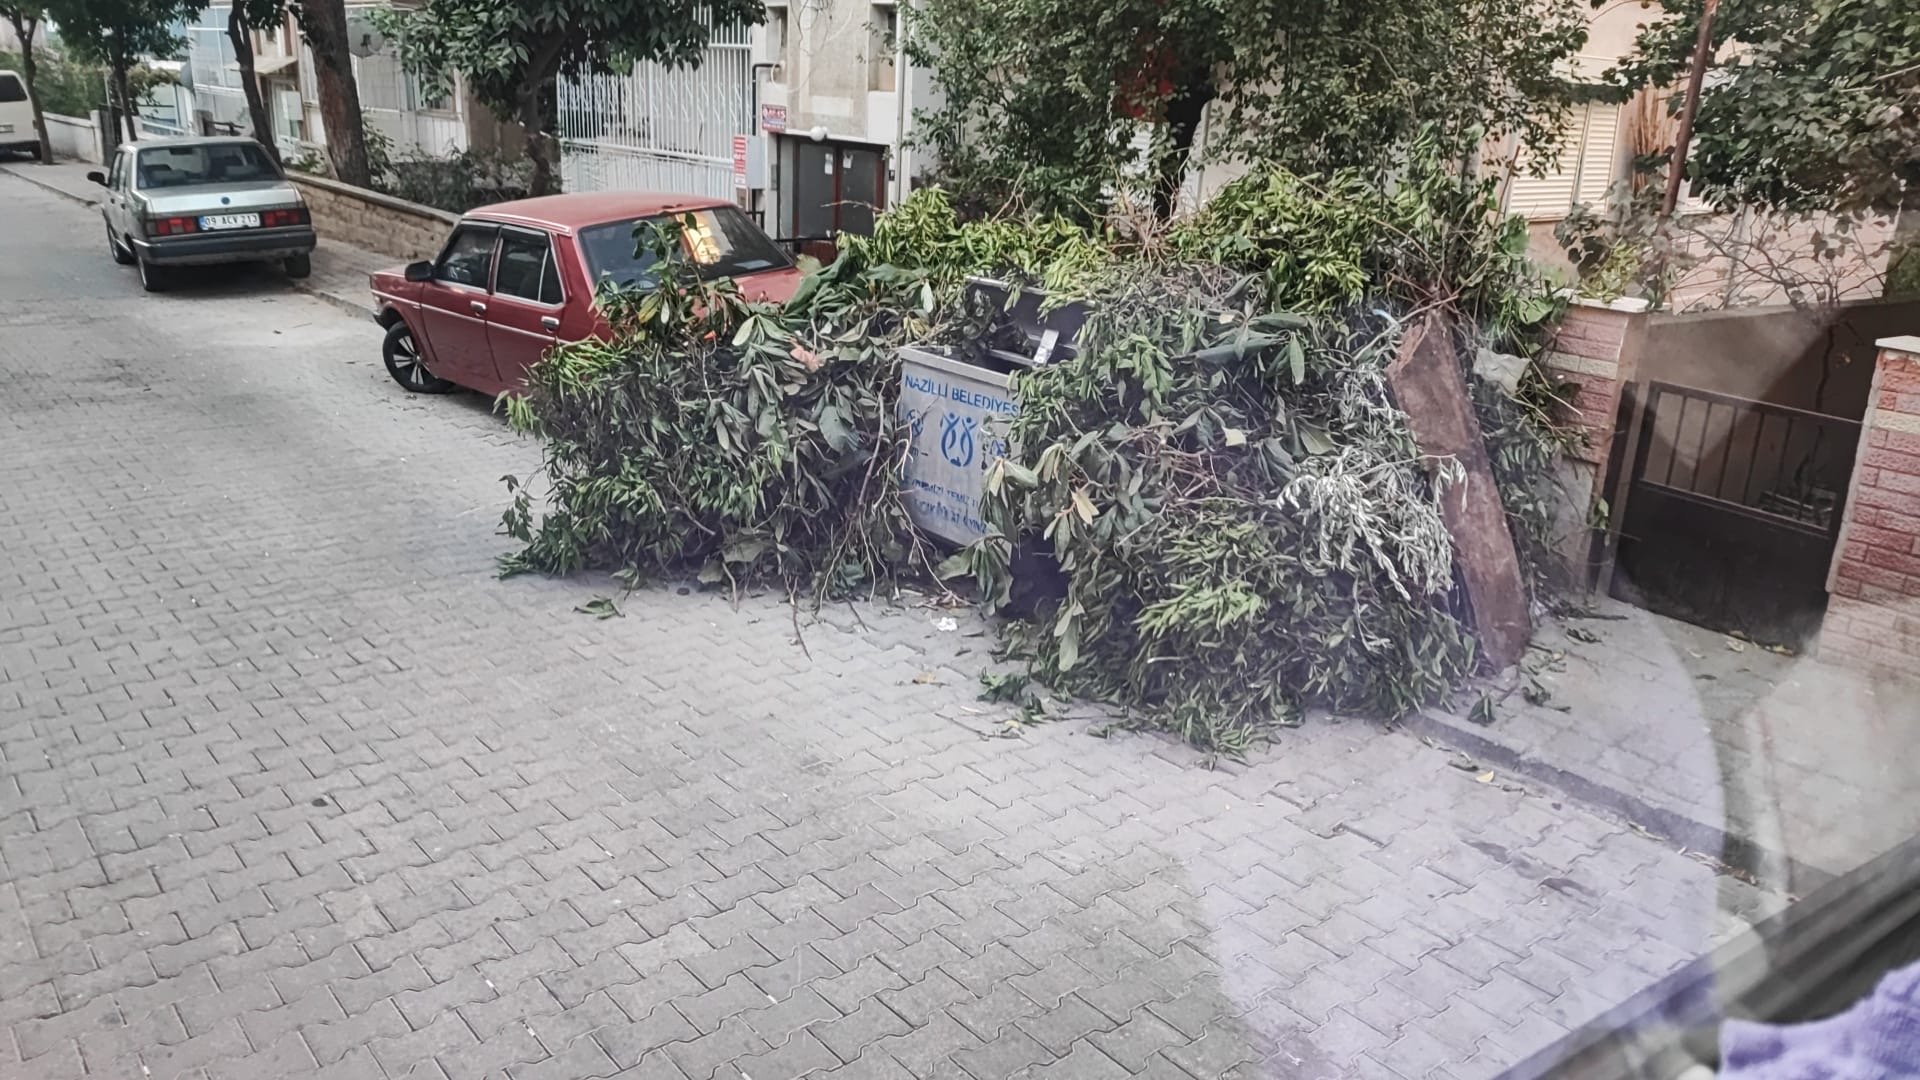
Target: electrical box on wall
[750,163]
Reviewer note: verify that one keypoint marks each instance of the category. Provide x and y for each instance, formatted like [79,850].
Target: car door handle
[549,322]
[478,307]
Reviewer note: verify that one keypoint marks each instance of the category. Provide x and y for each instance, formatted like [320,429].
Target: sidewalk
[339,270]
[1782,765]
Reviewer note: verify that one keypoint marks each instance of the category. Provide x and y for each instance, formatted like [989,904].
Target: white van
[16,116]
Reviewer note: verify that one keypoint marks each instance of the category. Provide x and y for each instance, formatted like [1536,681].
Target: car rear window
[721,241]
[11,90]
[217,163]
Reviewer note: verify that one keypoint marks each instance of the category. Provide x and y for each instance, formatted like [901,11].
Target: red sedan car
[517,277]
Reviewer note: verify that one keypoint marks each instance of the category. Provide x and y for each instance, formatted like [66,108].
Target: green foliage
[749,441]
[457,182]
[511,50]
[1818,108]
[61,84]
[1044,98]
[1244,523]
[117,33]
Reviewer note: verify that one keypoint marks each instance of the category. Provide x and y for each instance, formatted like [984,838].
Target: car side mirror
[419,271]
[98,177]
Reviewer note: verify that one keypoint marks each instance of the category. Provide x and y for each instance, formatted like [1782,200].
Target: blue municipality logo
[956,440]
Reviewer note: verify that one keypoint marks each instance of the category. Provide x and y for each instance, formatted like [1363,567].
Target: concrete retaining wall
[74,138]
[376,222]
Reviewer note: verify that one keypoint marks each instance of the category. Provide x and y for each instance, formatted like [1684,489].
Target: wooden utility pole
[1702,54]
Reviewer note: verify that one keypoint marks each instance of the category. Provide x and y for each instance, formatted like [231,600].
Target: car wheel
[153,278]
[402,354]
[120,255]
[299,266]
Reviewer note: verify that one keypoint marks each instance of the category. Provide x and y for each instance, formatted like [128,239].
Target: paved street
[291,785]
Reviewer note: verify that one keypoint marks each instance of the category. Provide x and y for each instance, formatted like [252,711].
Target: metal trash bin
[959,412]
[957,415]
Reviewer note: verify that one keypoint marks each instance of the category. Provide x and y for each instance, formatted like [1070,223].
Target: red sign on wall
[773,118]
[740,162]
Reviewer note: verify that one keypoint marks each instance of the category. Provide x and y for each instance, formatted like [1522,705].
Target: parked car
[199,201]
[17,132]
[517,277]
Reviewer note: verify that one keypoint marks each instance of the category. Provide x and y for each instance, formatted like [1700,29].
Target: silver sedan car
[196,201]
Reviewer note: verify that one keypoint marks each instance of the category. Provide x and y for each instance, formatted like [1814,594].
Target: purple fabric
[1877,1039]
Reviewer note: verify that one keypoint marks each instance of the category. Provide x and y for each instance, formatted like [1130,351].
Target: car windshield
[215,163]
[721,241]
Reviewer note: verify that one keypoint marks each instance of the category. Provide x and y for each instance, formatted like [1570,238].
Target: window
[883,37]
[1583,173]
[526,268]
[721,241]
[468,257]
[11,90]
[209,163]
[117,173]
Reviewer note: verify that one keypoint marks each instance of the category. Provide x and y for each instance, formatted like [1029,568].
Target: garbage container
[957,415]
[959,411]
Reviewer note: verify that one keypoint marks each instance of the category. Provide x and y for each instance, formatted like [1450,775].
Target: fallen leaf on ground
[926,677]
[1485,777]
[1736,646]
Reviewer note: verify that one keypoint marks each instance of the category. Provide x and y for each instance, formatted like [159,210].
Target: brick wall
[1595,348]
[1873,616]
[376,222]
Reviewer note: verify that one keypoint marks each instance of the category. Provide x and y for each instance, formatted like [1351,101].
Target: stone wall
[376,222]
[1873,616]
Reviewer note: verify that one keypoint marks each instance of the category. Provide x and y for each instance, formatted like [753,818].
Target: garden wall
[74,138]
[376,222]
[1873,616]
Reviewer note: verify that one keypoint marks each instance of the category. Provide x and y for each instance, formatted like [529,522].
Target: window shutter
[1597,154]
[1583,174]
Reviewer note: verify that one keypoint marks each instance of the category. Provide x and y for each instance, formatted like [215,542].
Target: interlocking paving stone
[291,783]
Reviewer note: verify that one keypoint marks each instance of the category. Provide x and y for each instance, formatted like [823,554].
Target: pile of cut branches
[1244,523]
[752,442]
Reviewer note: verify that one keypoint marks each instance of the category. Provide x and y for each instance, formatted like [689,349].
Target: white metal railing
[658,128]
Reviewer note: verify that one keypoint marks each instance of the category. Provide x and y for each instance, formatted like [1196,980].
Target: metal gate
[1732,511]
[657,128]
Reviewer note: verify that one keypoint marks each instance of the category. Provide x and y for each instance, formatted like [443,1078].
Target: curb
[351,307]
[1740,852]
[27,175]
[355,308]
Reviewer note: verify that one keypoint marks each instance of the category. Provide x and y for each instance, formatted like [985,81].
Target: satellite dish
[363,38]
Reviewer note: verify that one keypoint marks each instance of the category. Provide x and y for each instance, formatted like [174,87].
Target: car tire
[299,266]
[154,278]
[402,354]
[120,255]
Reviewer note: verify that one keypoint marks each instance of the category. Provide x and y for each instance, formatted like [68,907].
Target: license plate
[230,221]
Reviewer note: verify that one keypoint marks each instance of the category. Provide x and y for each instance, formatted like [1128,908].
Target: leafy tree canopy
[119,32]
[1043,97]
[1813,105]
[511,50]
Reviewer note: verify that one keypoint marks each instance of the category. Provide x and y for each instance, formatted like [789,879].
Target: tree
[512,51]
[26,20]
[324,23]
[243,18]
[1044,97]
[118,33]
[1815,106]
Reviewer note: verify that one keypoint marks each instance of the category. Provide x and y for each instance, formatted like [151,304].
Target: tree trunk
[325,24]
[123,99]
[24,29]
[1903,258]
[242,37]
[1185,110]
[533,122]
